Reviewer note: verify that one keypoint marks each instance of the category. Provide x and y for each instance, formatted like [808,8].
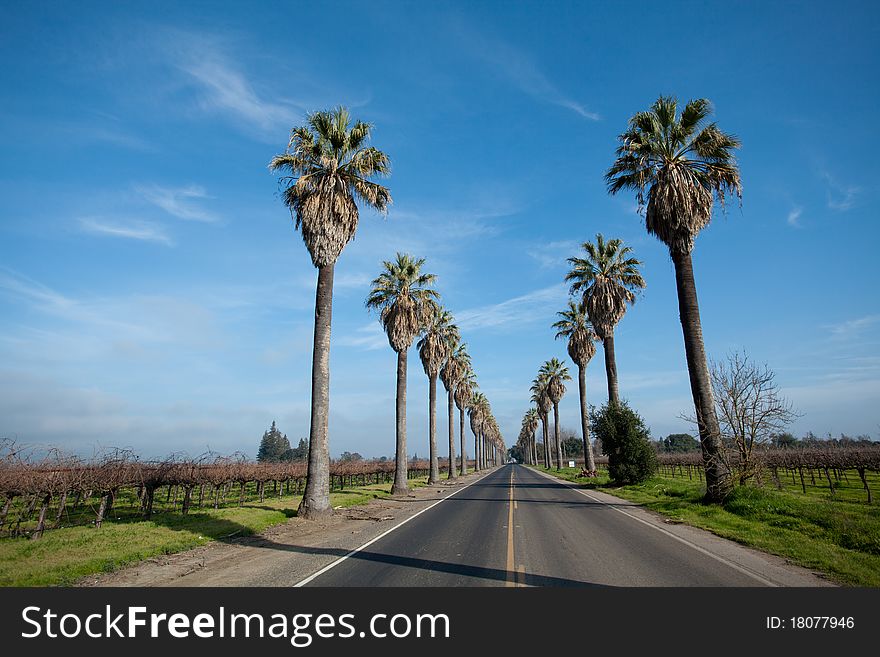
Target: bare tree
[750,407]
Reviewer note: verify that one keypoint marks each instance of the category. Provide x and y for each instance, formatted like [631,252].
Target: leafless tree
[750,407]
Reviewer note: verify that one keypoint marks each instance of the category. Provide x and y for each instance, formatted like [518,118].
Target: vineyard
[830,467]
[61,490]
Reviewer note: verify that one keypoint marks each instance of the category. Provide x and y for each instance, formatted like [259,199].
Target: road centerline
[511,571]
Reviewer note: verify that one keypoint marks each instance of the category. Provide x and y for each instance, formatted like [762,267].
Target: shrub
[626,442]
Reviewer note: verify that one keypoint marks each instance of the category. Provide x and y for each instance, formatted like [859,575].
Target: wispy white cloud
[508,62]
[222,86]
[368,337]
[352,281]
[179,201]
[534,306]
[476,217]
[840,197]
[131,319]
[26,289]
[853,328]
[133,230]
[225,89]
[553,254]
[794,216]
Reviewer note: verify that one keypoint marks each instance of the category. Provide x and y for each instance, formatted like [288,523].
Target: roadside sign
[571,464]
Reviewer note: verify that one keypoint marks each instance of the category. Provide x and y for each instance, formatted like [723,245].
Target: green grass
[62,556]
[838,535]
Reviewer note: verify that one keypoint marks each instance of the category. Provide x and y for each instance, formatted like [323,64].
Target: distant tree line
[275,448]
[681,443]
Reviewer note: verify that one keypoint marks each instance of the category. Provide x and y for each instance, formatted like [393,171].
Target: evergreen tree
[680,442]
[274,446]
[626,443]
[298,453]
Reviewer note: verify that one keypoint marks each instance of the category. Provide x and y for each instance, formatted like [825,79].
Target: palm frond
[680,165]
[326,169]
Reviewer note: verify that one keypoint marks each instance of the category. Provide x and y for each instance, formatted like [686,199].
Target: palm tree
[434,349]
[490,437]
[464,392]
[686,164]
[407,303]
[541,399]
[607,279]
[328,166]
[524,443]
[575,325]
[532,420]
[556,373]
[455,367]
[478,410]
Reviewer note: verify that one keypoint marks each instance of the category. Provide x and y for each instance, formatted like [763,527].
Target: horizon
[154,293]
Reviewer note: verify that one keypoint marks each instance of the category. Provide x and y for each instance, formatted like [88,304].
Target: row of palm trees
[679,164]
[328,168]
[607,279]
[409,307]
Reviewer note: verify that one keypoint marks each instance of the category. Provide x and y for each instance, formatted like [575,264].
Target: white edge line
[726,562]
[383,534]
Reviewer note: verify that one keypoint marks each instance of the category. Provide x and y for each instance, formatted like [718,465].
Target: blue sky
[154,294]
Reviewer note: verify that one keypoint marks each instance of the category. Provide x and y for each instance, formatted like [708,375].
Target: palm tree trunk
[476,451]
[434,476]
[545,434]
[589,461]
[718,477]
[400,486]
[316,497]
[611,370]
[463,450]
[534,448]
[452,473]
[556,436]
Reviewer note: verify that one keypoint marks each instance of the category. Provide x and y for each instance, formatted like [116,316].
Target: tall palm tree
[541,399]
[685,164]
[524,441]
[456,366]
[490,437]
[556,374]
[478,410]
[328,167]
[607,278]
[434,348]
[532,420]
[464,392]
[575,325]
[402,292]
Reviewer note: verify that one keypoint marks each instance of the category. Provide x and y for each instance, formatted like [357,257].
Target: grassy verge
[64,555]
[837,535]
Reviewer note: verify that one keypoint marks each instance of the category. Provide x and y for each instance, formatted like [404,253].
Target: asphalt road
[518,527]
